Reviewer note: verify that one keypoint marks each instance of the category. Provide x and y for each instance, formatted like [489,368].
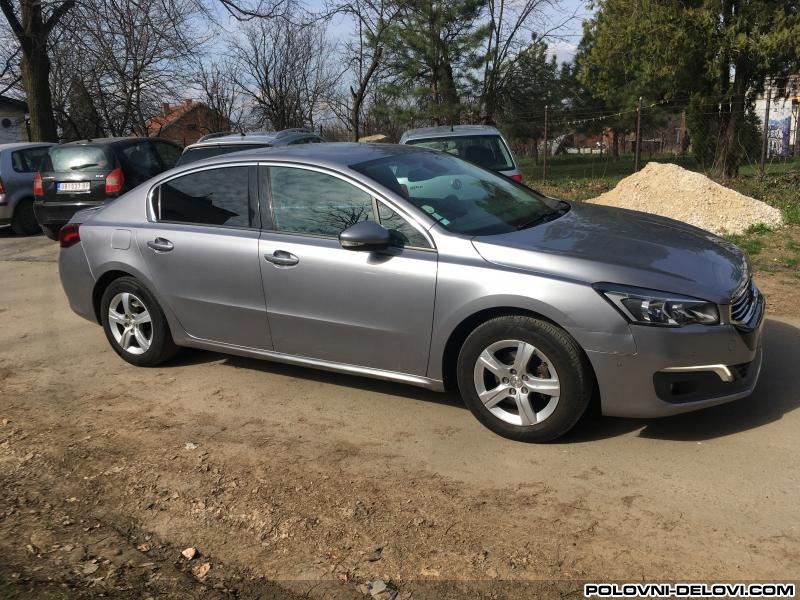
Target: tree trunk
[727,156]
[615,145]
[36,80]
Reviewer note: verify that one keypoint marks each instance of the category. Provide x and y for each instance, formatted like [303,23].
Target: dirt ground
[293,483]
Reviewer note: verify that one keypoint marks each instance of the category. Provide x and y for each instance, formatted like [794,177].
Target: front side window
[487,151]
[460,196]
[210,197]
[313,203]
[402,231]
[28,160]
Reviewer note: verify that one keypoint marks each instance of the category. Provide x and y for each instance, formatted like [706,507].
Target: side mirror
[365,236]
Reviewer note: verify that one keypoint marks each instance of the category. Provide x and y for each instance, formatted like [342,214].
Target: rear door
[77,173]
[201,249]
[368,309]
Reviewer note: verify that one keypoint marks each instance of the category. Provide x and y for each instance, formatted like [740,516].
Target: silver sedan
[412,265]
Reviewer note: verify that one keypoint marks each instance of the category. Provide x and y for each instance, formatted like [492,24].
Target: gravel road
[298,483]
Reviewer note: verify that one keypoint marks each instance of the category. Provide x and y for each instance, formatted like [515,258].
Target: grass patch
[751,245]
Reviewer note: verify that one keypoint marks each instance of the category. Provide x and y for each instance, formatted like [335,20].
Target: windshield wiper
[547,217]
[83,166]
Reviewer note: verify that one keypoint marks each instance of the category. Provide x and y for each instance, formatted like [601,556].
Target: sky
[568,15]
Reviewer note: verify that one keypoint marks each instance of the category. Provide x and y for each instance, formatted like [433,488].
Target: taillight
[517,178]
[2,187]
[38,186]
[69,235]
[114,181]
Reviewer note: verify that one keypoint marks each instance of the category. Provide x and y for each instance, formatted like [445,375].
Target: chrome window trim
[151,212]
[373,193]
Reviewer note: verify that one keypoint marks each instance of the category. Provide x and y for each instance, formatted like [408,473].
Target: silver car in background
[415,266]
[482,145]
[217,144]
[19,163]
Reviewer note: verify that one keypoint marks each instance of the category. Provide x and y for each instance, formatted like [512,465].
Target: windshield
[79,158]
[463,198]
[191,155]
[487,151]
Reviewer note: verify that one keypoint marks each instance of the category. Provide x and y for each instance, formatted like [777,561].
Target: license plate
[68,187]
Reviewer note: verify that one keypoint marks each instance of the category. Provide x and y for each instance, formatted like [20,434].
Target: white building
[783,119]
[13,127]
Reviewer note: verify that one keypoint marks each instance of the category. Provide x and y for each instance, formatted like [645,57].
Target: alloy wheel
[517,382]
[130,323]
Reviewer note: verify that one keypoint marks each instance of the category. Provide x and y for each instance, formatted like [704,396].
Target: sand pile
[671,191]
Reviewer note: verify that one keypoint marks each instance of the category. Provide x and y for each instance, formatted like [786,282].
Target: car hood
[603,244]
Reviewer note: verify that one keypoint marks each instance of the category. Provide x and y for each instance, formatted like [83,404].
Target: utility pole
[765,139]
[637,152]
[544,161]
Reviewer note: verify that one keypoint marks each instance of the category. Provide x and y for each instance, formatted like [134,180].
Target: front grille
[744,304]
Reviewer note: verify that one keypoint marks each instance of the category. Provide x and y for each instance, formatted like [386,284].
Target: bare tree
[121,60]
[364,54]
[10,78]
[216,83]
[285,70]
[512,23]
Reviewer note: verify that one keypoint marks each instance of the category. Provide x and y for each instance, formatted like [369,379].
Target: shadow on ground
[778,393]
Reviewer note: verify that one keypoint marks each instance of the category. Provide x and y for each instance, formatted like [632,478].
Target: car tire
[135,325]
[524,378]
[24,220]
[51,231]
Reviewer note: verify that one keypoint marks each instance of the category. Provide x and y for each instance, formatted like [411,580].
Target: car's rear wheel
[24,220]
[524,378]
[135,325]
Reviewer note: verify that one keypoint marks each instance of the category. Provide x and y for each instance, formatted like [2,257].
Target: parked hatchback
[320,256]
[479,144]
[217,144]
[18,166]
[87,173]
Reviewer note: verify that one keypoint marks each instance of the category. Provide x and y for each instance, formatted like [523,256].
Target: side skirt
[324,365]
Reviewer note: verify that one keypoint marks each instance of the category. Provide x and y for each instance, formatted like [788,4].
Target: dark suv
[87,173]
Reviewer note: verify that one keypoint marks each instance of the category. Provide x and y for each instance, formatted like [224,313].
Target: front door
[369,309]
[202,253]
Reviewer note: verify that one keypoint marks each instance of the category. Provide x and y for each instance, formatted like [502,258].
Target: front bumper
[679,370]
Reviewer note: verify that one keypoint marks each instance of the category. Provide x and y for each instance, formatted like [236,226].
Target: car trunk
[77,174]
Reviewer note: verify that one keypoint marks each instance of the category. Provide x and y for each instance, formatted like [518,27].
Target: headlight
[647,307]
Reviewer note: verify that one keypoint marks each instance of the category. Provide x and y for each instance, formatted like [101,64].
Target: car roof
[284,136]
[20,145]
[116,141]
[336,155]
[448,131]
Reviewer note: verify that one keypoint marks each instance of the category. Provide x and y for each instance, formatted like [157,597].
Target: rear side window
[210,197]
[191,155]
[313,203]
[169,153]
[142,158]
[29,160]
[487,151]
[79,158]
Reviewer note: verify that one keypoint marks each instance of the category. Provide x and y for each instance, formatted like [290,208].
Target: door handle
[281,258]
[160,245]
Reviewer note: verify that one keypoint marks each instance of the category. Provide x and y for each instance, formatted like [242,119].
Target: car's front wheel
[135,325]
[524,378]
